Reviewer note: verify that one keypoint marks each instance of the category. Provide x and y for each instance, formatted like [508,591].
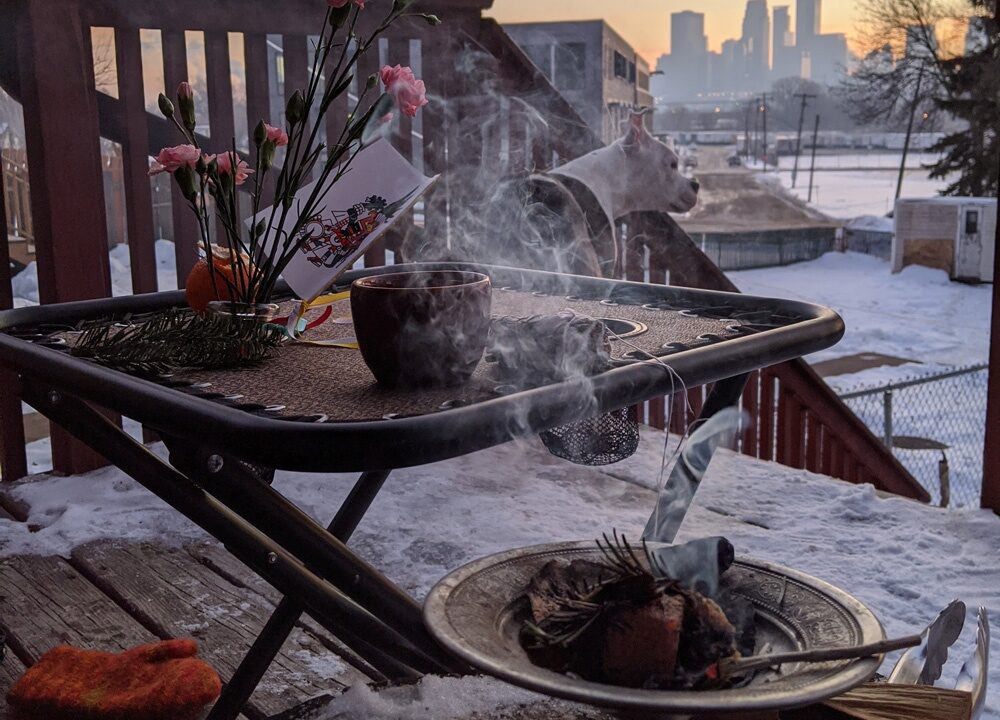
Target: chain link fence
[936,428]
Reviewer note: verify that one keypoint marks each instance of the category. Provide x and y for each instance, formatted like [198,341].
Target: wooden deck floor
[112,596]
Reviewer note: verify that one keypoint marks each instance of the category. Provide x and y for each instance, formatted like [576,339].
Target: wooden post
[13,463]
[64,163]
[991,456]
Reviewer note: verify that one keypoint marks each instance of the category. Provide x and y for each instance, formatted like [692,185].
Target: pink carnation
[171,159]
[409,93]
[276,135]
[225,164]
[341,3]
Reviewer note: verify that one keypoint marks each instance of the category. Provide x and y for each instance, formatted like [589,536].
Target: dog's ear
[637,134]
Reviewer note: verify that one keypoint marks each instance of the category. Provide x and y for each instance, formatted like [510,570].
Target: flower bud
[431,19]
[166,107]
[185,178]
[372,80]
[260,133]
[185,100]
[267,155]
[295,111]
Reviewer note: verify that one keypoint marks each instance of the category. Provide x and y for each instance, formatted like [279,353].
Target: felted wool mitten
[161,681]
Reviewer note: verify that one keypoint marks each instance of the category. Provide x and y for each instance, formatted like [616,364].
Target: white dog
[563,220]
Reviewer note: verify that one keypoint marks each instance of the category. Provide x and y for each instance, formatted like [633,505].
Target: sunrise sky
[646,23]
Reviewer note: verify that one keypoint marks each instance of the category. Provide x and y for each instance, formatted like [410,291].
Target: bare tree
[912,71]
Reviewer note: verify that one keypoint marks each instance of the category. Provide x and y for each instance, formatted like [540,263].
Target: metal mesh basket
[600,440]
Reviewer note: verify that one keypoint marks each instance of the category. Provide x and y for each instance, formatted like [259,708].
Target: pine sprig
[178,339]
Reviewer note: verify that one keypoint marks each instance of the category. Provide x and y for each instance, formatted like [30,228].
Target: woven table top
[334,384]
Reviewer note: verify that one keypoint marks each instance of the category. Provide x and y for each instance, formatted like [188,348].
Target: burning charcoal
[641,644]
[557,581]
[547,348]
[616,622]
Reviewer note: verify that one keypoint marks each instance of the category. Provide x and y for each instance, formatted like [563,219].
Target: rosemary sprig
[178,339]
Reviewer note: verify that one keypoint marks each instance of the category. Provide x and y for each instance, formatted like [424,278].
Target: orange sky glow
[646,23]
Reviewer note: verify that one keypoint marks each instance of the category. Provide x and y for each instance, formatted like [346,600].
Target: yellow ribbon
[297,325]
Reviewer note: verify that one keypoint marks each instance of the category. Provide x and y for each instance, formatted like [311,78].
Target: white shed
[955,234]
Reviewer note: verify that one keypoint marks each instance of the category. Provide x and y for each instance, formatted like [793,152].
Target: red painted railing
[799,421]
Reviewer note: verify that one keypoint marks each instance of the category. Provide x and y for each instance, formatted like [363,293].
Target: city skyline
[646,23]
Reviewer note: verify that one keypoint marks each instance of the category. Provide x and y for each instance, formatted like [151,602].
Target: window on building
[541,56]
[972,222]
[631,72]
[643,81]
[620,66]
[571,61]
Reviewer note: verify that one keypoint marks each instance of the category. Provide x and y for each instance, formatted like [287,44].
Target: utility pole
[746,136]
[909,131]
[763,109]
[798,142]
[812,167]
[756,128]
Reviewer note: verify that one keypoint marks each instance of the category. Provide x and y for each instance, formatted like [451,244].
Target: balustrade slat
[368,65]
[751,405]
[767,414]
[186,234]
[814,444]
[135,161]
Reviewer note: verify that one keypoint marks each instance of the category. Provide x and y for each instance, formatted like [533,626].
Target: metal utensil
[922,665]
[974,673]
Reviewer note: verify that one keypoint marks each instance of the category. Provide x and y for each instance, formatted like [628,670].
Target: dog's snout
[695,185]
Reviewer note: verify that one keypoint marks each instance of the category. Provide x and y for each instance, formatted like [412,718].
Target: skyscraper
[785,61]
[688,54]
[808,15]
[757,44]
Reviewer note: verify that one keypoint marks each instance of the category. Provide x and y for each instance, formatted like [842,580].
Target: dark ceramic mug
[424,328]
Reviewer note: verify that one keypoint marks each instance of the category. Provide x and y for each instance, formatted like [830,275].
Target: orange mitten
[161,681]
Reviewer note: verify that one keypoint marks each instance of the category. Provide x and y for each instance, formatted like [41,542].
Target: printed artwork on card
[379,188]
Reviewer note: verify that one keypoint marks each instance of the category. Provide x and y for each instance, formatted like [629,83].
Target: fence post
[887,419]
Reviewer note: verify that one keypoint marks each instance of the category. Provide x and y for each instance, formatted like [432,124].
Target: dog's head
[653,172]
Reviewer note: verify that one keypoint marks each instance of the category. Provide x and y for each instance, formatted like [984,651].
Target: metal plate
[477,612]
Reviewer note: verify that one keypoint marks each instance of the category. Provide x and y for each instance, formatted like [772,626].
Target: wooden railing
[474,71]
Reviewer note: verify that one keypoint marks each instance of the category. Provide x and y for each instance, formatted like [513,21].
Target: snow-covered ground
[903,559]
[917,314]
[861,184]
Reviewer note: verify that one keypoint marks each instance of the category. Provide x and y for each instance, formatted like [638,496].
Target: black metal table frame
[222,459]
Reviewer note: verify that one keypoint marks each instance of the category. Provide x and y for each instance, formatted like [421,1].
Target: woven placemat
[333,382]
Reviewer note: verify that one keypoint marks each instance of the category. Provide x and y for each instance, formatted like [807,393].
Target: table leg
[281,623]
[284,570]
[267,510]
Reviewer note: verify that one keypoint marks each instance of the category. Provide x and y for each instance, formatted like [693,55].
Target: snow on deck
[903,559]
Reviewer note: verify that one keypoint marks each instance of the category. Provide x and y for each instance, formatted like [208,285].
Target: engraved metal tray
[477,612]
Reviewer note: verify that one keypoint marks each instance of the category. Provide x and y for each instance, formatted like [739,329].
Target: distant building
[688,55]
[828,58]
[808,17]
[595,69]
[757,45]
[786,60]
[976,38]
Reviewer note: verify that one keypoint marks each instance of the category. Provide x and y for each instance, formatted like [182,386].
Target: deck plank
[224,563]
[11,670]
[176,596]
[44,602]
